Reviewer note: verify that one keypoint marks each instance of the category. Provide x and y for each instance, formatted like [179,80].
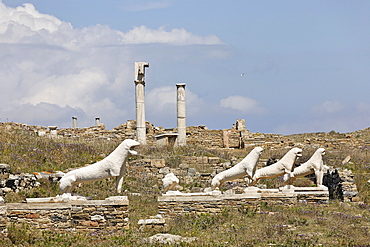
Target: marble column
[181,115]
[140,101]
[97,121]
[74,122]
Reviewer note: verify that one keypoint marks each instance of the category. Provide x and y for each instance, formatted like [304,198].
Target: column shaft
[181,114]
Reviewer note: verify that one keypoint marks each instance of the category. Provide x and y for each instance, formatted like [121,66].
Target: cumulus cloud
[161,103]
[242,104]
[27,16]
[25,24]
[57,71]
[177,36]
[161,100]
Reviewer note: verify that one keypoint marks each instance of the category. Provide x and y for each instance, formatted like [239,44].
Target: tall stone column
[181,115]
[97,121]
[140,101]
[74,122]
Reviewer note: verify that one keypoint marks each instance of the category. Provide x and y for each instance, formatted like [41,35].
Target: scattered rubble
[168,239]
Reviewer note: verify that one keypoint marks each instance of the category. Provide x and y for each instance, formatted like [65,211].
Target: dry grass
[336,224]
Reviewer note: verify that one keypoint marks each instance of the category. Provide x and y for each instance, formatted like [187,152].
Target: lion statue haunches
[314,165]
[283,166]
[246,167]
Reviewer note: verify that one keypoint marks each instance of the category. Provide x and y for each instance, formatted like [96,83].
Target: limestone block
[151,222]
[184,166]
[97,217]
[159,163]
[191,172]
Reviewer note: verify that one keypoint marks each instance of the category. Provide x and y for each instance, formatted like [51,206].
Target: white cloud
[27,16]
[161,100]
[328,107]
[242,104]
[76,90]
[161,103]
[25,24]
[177,36]
[54,70]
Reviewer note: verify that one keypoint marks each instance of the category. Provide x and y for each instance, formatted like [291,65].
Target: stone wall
[91,214]
[192,171]
[200,135]
[15,183]
[173,205]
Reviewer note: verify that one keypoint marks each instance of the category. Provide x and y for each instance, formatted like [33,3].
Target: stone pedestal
[253,191]
[108,214]
[312,194]
[175,203]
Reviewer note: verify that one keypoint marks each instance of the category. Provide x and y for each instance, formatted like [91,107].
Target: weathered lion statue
[114,165]
[314,165]
[246,167]
[283,166]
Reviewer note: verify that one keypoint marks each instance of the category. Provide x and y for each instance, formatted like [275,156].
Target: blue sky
[306,64]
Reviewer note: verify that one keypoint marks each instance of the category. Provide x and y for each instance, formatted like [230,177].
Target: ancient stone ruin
[78,212]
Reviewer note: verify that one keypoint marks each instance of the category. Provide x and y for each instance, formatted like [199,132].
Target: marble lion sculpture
[314,165]
[246,167]
[169,182]
[283,166]
[114,165]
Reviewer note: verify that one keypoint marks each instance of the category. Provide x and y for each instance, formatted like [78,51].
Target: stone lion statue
[314,165]
[114,165]
[246,167]
[283,166]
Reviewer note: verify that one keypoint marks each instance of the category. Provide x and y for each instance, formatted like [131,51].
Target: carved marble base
[287,190]
[253,191]
[312,194]
[67,197]
[178,193]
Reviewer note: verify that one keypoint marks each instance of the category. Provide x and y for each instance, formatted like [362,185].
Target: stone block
[191,172]
[184,166]
[151,222]
[32,216]
[213,160]
[97,217]
[158,163]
